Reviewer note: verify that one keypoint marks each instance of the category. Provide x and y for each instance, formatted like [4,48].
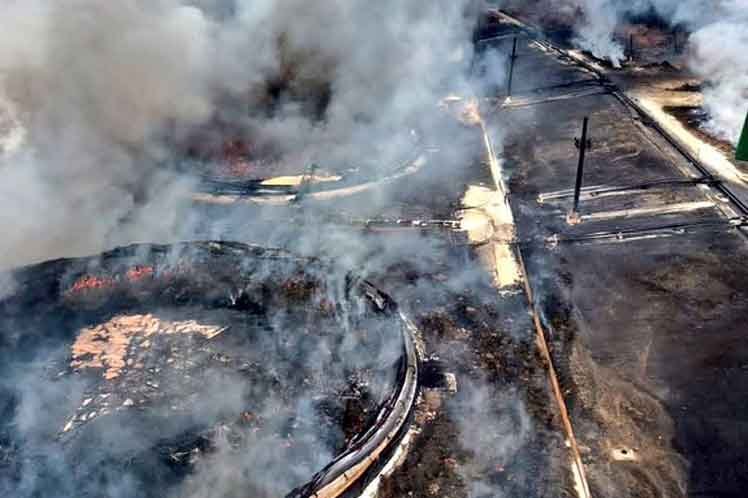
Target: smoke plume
[718,43]
[719,57]
[104,94]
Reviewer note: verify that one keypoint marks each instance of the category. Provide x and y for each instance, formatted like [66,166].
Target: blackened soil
[695,118]
[498,434]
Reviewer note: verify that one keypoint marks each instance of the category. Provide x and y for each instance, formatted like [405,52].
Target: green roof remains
[742,152]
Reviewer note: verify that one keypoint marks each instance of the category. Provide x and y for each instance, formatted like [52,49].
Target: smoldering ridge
[279,431]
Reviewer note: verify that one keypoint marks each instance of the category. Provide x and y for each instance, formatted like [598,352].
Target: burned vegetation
[143,368]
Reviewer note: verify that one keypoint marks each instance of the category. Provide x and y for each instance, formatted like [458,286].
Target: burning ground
[121,380]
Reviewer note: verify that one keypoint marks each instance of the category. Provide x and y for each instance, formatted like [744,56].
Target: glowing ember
[89,282]
[135,274]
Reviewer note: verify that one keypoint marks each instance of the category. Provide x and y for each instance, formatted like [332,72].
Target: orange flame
[88,282]
[139,273]
[134,274]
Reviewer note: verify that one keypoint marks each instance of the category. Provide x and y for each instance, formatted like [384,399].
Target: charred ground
[182,356]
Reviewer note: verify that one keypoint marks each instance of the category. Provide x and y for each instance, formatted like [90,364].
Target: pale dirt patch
[106,345]
[654,102]
[488,219]
[297,180]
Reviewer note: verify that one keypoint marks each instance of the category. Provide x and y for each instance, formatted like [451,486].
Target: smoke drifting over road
[718,44]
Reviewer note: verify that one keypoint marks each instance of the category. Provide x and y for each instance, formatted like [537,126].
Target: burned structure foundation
[146,368]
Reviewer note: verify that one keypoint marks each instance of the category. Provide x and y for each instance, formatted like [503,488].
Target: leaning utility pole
[582,144]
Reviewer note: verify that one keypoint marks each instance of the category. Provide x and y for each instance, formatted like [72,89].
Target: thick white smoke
[94,84]
[104,89]
[720,56]
[595,33]
[719,43]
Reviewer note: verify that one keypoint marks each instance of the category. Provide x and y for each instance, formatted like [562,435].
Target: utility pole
[582,144]
[631,46]
[512,58]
